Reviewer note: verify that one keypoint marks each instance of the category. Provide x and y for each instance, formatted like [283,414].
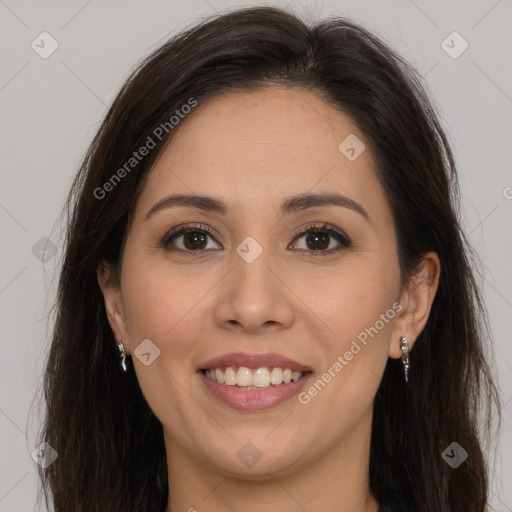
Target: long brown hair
[110,444]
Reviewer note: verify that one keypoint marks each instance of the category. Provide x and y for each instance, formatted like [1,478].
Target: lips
[271,386]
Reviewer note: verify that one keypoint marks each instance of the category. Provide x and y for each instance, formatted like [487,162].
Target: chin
[247,460]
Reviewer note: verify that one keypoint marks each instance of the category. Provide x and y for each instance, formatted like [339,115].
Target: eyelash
[343,239]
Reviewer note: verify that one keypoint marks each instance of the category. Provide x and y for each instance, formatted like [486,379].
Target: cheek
[354,298]
[158,297]
[357,308]
[162,306]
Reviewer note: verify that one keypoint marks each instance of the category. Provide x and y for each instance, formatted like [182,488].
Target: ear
[416,299]
[111,291]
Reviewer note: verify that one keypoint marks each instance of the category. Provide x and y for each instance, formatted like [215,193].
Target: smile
[253,382]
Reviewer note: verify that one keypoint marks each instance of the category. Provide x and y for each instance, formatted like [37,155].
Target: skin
[253,150]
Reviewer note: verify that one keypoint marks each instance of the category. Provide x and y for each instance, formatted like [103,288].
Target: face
[261,285]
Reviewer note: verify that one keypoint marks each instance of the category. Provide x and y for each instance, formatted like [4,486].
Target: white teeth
[246,378]
[219,376]
[261,378]
[243,376]
[276,376]
[296,376]
[230,376]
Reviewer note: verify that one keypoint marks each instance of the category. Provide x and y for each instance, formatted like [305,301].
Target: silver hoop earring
[120,346]
[404,345]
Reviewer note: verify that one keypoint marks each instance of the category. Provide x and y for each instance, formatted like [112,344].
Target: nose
[255,297]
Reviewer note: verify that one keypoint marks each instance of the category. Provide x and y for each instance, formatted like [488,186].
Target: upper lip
[254,361]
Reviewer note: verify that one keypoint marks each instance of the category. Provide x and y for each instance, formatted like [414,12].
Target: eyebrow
[290,205]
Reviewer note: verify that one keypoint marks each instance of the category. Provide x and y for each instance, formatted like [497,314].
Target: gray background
[50,109]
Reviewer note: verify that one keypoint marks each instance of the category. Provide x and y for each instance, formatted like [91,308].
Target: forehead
[258,146]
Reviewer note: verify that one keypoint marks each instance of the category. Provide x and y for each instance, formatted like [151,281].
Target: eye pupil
[316,236]
[198,238]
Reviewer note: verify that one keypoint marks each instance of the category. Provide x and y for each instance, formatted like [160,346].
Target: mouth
[253,382]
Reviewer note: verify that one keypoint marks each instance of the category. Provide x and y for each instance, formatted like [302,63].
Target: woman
[266,300]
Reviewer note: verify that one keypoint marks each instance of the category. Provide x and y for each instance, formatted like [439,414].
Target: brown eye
[320,239]
[189,239]
[194,240]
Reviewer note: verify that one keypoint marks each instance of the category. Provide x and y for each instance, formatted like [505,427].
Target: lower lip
[253,400]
